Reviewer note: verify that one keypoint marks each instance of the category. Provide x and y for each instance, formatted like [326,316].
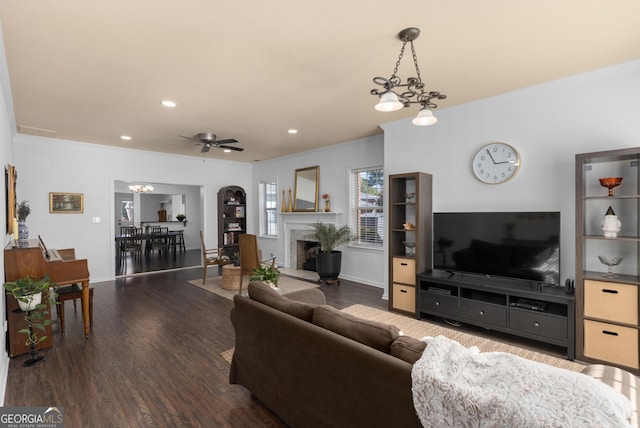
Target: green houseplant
[22,212]
[30,293]
[328,259]
[265,273]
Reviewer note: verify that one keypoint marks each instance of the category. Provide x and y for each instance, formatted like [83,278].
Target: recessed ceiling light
[168,103]
[227,151]
[125,137]
[292,131]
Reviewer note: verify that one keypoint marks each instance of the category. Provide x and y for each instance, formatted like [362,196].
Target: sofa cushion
[371,333]
[260,292]
[408,348]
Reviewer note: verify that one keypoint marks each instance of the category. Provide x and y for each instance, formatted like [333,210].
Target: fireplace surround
[296,226]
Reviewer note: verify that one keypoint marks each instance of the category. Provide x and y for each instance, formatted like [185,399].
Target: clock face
[496,163]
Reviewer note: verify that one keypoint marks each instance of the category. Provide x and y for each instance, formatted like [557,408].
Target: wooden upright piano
[36,260]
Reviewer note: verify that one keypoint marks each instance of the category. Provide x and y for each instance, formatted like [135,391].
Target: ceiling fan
[208,140]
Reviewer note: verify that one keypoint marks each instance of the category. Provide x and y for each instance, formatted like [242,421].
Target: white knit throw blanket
[458,387]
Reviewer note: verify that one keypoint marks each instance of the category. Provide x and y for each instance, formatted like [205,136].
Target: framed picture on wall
[10,180]
[66,203]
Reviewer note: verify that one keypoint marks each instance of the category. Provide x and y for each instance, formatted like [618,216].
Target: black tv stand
[522,308]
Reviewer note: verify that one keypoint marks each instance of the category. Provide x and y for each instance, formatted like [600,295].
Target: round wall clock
[496,163]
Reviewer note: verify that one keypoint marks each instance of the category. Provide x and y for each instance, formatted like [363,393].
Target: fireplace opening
[305,259]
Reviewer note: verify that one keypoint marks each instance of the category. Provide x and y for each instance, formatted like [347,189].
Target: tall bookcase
[410,216]
[607,322]
[232,220]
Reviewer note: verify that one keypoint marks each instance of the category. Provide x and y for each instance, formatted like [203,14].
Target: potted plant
[181,217]
[267,274]
[29,294]
[22,212]
[328,259]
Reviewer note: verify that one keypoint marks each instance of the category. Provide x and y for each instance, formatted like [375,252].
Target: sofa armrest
[313,296]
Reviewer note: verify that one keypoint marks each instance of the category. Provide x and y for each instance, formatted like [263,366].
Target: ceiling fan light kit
[413,90]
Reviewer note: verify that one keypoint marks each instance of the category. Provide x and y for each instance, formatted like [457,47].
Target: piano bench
[71,292]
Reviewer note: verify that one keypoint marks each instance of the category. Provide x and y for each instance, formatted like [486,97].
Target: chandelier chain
[415,62]
[395,70]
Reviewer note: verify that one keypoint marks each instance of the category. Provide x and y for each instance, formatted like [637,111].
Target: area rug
[419,329]
[287,284]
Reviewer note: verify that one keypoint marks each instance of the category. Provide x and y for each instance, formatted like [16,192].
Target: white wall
[49,165]
[548,124]
[358,264]
[7,130]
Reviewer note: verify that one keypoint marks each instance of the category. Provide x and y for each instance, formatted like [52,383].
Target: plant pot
[33,301]
[328,265]
[23,231]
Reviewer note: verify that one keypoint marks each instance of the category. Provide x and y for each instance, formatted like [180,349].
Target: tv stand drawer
[483,312]
[539,324]
[500,305]
[435,303]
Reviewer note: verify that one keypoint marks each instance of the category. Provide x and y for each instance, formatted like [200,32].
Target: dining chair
[251,257]
[159,240]
[211,257]
[126,230]
[132,243]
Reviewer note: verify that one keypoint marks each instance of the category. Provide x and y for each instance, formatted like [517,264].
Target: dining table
[171,235]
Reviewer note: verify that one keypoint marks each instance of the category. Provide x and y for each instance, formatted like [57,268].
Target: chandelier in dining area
[141,188]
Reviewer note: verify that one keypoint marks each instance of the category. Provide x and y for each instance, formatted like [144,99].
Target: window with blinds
[268,202]
[367,217]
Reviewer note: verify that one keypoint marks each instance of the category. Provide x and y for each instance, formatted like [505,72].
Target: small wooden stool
[71,292]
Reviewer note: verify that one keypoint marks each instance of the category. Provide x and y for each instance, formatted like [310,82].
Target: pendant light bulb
[389,102]
[425,117]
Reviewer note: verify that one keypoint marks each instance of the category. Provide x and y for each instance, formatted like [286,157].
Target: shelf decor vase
[290,202]
[283,204]
[610,224]
[610,183]
[23,232]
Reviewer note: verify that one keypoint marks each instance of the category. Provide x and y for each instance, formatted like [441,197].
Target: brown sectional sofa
[315,366]
[310,376]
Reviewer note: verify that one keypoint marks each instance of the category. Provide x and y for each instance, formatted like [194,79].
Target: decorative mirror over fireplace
[306,189]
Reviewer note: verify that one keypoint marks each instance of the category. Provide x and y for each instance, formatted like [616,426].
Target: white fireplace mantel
[307,214]
[294,224]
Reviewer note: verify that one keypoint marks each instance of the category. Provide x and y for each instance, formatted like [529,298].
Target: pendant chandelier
[141,188]
[396,95]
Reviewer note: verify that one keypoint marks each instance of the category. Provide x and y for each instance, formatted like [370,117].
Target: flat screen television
[516,245]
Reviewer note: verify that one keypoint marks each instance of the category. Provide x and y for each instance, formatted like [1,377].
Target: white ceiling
[91,71]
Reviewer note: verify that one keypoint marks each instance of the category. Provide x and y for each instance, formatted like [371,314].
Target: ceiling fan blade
[228,141]
[192,139]
[222,146]
[205,148]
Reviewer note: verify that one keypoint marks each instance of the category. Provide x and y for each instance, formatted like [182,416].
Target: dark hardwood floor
[152,359]
[154,262]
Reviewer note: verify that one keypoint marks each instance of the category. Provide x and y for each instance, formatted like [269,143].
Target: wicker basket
[231,277]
